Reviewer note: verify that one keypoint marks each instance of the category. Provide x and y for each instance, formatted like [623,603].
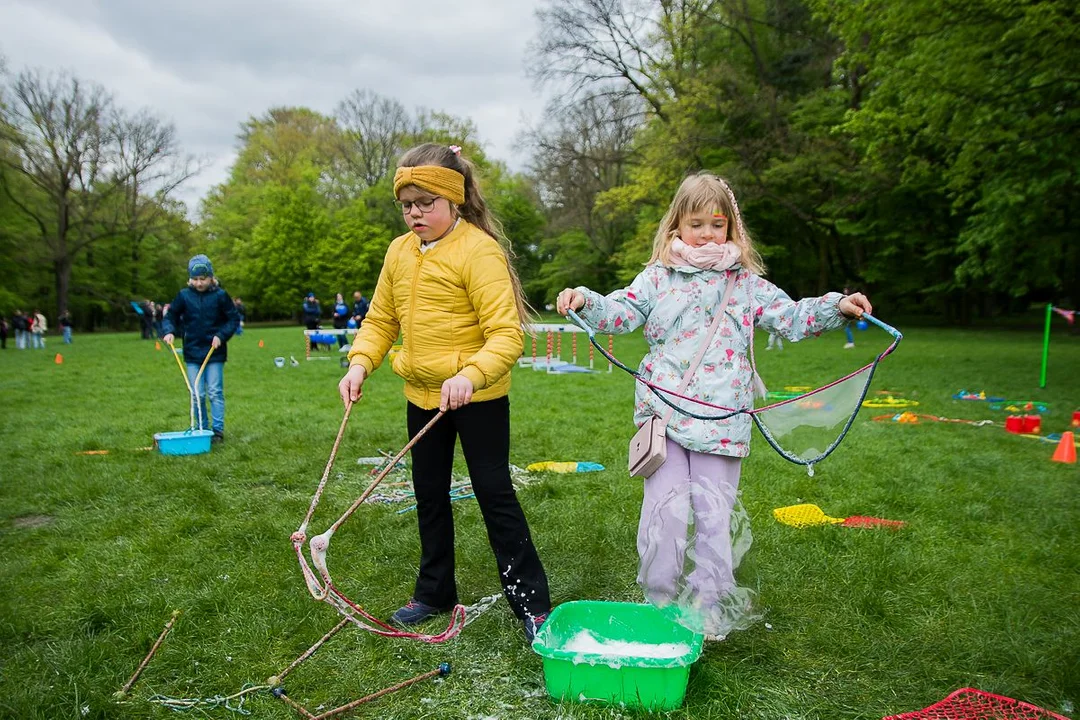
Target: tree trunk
[62,271]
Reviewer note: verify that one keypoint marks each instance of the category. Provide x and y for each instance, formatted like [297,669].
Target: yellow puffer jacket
[454,307]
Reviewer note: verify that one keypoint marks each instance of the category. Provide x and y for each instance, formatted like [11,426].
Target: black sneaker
[414,612]
[219,437]
[533,623]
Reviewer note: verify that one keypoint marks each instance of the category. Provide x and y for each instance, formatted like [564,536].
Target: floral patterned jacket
[677,306]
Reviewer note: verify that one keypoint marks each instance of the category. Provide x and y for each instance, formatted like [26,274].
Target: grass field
[981,589]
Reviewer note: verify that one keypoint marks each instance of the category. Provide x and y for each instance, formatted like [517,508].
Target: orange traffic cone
[260,343]
[157,345]
[1066,450]
[60,361]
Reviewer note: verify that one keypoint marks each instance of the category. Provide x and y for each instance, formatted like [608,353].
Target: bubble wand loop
[754,413]
[325,591]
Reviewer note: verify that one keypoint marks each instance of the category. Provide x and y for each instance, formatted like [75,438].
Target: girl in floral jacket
[701,244]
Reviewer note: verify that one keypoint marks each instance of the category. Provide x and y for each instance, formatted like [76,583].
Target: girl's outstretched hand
[350,386]
[456,392]
[569,299]
[854,305]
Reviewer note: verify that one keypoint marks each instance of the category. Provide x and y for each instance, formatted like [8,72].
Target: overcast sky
[208,65]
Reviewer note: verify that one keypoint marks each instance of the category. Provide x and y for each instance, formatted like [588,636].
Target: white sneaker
[345,348]
[848,346]
[715,638]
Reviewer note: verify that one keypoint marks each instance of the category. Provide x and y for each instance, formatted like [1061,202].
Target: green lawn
[981,589]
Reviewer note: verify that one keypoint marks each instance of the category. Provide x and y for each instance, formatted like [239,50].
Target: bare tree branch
[92,165]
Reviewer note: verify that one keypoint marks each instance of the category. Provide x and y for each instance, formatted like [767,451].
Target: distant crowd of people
[29,329]
[344,315]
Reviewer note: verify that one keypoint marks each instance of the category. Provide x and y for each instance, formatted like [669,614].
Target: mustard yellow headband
[436,179]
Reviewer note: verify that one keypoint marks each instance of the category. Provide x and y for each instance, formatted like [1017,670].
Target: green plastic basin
[616,653]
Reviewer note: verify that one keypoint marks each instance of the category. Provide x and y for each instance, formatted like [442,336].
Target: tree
[605,48]
[147,157]
[83,158]
[374,130]
[581,151]
[973,105]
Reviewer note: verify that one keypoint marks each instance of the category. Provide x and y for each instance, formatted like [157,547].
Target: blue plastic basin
[185,442]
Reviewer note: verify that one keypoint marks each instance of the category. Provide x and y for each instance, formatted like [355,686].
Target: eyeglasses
[425,206]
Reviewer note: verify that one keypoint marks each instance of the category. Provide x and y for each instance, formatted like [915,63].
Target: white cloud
[208,65]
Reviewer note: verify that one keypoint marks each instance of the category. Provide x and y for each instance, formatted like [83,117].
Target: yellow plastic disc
[805,515]
[889,402]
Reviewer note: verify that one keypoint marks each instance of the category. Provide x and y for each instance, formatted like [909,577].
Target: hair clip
[456,149]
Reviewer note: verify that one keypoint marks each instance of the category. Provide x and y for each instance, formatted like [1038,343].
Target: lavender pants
[684,535]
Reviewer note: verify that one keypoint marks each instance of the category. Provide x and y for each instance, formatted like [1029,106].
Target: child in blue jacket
[205,317]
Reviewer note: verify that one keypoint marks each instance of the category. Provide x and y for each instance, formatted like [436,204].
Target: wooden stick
[443,669]
[127,686]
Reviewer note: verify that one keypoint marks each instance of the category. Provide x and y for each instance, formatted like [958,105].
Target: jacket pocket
[399,363]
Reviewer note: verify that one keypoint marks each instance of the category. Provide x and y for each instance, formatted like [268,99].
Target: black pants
[484,429]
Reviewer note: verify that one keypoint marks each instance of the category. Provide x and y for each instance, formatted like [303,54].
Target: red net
[971,704]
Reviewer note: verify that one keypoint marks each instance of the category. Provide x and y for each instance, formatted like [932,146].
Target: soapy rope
[327,592]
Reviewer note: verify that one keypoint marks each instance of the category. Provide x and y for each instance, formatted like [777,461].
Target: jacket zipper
[412,307]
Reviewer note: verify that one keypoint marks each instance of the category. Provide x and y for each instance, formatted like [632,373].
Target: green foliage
[924,153]
[976,101]
[292,218]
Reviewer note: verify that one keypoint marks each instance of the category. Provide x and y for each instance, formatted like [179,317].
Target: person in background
[241,313]
[159,315]
[312,315]
[360,307]
[3,333]
[342,312]
[21,325]
[204,315]
[65,326]
[847,327]
[146,319]
[38,330]
[774,342]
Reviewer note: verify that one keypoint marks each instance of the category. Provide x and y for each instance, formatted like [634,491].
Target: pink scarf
[710,256]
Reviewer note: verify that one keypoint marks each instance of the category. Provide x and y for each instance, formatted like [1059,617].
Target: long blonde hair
[705,191]
[474,209]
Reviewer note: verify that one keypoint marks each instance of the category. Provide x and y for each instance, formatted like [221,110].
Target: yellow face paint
[717,215]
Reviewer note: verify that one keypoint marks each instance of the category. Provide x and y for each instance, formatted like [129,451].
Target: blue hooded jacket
[198,317]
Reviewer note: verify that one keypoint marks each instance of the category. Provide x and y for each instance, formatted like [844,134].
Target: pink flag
[1067,314]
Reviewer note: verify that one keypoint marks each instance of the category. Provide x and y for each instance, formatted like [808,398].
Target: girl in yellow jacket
[448,287]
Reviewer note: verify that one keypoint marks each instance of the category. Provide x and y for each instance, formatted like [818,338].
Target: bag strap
[721,308]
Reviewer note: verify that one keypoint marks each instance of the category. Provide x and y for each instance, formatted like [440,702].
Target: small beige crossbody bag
[648,447]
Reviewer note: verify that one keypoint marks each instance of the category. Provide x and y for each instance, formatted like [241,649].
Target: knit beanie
[200,266]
